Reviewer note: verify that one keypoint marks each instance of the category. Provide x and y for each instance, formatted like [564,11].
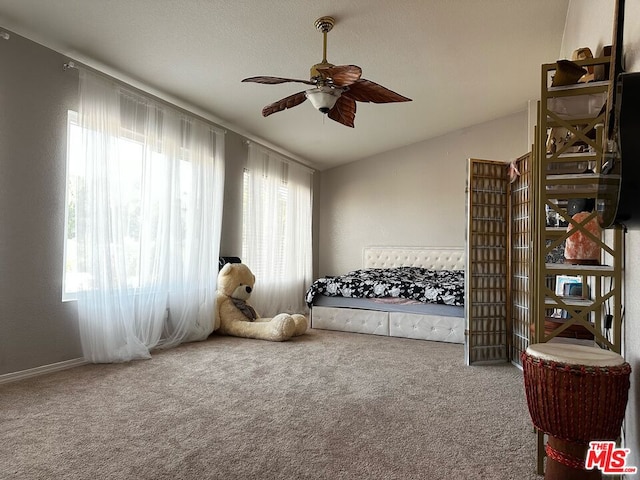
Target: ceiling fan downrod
[324,26]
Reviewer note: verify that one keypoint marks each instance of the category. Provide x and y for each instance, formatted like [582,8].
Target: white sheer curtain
[277,231]
[149,213]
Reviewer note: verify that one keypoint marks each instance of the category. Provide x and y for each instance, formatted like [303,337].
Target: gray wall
[235,160]
[411,196]
[36,327]
[589,24]
[35,94]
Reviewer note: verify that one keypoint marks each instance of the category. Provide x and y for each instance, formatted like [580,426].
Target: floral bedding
[415,283]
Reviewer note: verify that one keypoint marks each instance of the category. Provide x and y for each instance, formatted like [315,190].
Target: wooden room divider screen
[499,243]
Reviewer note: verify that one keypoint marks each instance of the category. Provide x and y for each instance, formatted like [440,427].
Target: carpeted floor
[328,405]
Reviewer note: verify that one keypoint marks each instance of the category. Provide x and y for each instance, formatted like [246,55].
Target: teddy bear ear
[226,269]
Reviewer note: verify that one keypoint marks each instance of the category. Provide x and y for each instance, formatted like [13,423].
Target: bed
[386,298]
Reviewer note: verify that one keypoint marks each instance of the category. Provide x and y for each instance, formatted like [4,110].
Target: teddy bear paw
[282,327]
[301,324]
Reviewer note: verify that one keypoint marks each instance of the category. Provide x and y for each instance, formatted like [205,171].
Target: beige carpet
[327,405]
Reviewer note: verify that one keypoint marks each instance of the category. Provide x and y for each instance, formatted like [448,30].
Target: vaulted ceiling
[461,61]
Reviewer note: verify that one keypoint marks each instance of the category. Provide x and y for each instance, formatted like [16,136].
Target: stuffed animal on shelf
[235,316]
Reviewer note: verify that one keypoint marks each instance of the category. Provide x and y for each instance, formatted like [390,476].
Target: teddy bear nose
[248,289]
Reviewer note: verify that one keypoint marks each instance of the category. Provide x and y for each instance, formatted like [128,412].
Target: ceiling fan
[335,88]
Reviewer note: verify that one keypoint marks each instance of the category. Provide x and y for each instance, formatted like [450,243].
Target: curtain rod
[282,156]
[205,115]
[72,65]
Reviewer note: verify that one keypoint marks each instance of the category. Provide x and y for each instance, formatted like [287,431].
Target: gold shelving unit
[574,169]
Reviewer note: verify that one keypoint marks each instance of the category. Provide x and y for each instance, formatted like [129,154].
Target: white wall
[589,24]
[411,196]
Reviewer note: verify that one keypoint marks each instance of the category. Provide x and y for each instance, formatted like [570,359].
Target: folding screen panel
[486,274]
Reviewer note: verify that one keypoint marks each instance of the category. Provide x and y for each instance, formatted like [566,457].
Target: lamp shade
[323,98]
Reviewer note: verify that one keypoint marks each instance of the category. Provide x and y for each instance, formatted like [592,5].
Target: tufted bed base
[439,324]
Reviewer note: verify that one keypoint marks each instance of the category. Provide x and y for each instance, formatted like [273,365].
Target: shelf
[572,269]
[569,301]
[576,156]
[578,89]
[581,178]
[582,185]
[556,231]
[574,163]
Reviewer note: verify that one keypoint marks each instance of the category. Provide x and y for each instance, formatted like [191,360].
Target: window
[144,212]
[277,230]
[130,166]
[276,227]
[72,279]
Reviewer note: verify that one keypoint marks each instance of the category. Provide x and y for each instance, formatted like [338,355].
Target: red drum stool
[575,394]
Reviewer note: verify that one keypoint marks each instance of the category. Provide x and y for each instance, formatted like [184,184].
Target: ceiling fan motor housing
[316,74]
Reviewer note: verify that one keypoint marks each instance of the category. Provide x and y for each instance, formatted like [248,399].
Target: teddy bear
[235,316]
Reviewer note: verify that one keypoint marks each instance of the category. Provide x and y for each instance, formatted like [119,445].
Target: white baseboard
[34,372]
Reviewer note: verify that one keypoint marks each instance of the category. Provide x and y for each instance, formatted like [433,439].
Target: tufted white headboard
[433,258]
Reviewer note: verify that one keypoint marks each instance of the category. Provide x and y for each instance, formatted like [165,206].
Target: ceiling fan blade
[287,102]
[342,75]
[344,111]
[276,80]
[367,91]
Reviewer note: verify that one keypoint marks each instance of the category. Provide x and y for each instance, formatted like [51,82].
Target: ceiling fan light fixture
[330,83]
[323,98]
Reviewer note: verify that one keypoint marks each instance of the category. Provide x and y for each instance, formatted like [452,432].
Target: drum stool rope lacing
[565,458]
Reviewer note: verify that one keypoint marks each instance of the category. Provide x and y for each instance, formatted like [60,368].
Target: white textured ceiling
[461,61]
